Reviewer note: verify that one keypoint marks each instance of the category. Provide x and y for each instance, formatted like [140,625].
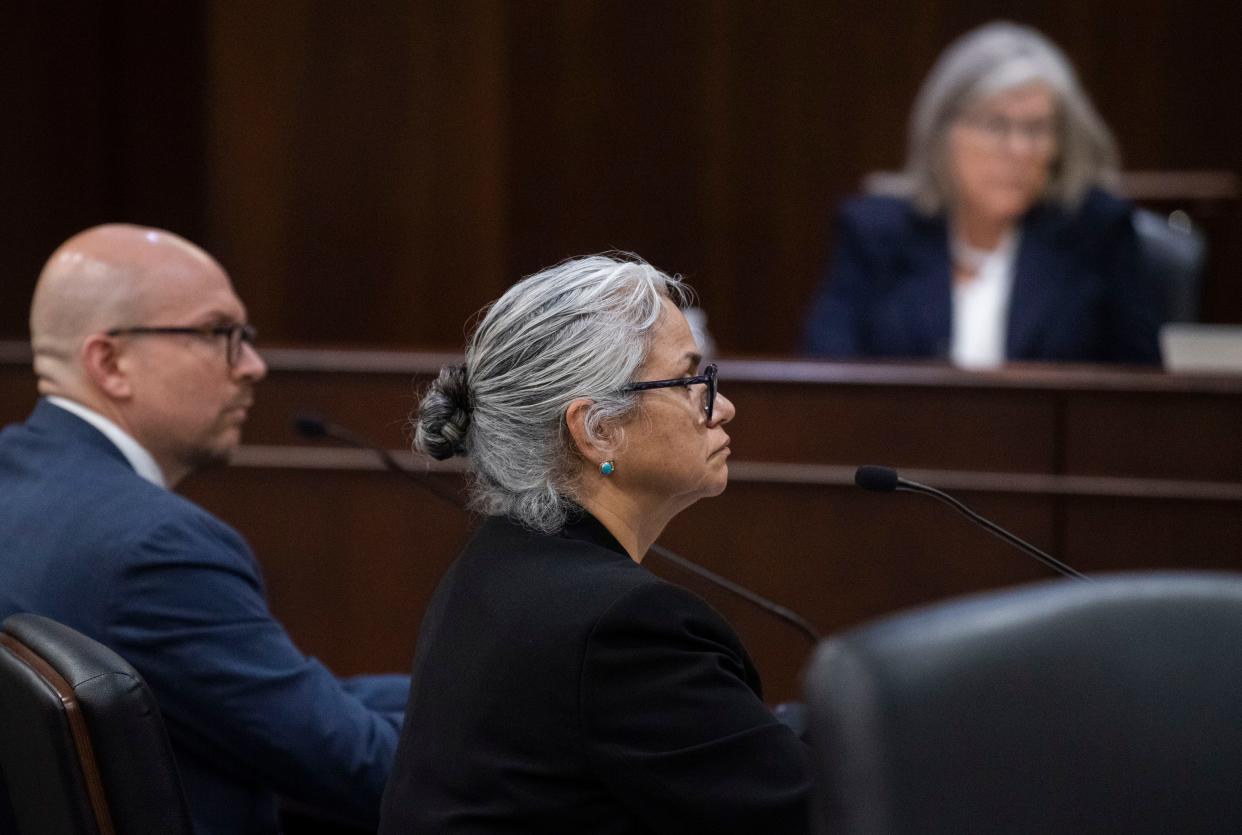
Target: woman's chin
[718,484]
[1009,206]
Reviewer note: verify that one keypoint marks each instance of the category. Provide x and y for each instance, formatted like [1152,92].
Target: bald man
[146,366]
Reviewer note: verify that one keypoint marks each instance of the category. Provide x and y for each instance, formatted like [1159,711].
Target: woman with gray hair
[558,685]
[1000,240]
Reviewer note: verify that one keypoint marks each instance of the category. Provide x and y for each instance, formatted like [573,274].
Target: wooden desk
[1106,469]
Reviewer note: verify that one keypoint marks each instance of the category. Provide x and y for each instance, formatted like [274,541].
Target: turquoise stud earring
[608,467]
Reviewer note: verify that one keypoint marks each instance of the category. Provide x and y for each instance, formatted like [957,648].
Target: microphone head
[310,426]
[877,479]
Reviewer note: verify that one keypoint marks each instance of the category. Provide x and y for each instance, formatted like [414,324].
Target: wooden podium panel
[1193,435]
[1106,469]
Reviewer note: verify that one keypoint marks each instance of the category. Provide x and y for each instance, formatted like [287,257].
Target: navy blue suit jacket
[1078,293]
[561,687]
[86,541]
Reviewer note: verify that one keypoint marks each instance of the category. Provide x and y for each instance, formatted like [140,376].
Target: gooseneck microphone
[886,480]
[788,615]
[312,426]
[315,427]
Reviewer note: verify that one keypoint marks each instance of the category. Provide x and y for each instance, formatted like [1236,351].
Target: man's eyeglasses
[234,336]
[707,378]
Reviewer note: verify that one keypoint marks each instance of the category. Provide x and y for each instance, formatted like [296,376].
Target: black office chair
[82,743]
[1173,252]
[1105,707]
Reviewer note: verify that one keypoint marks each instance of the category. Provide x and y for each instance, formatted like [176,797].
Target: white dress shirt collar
[138,458]
[981,308]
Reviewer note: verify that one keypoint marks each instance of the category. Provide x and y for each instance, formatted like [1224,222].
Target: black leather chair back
[1103,707]
[1174,256]
[82,743]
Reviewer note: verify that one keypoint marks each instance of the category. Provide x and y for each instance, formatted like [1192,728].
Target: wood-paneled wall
[1105,469]
[373,173]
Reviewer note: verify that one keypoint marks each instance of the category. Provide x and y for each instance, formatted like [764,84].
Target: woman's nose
[723,410]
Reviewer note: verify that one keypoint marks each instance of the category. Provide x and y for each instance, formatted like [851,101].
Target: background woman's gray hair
[996,57]
[579,329]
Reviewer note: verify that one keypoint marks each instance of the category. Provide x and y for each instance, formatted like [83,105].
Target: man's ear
[102,366]
[594,450]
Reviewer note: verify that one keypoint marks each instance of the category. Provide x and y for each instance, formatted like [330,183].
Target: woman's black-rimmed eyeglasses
[234,335]
[707,378]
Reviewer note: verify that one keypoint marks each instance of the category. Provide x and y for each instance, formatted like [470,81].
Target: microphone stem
[352,438]
[993,528]
[333,430]
[788,615]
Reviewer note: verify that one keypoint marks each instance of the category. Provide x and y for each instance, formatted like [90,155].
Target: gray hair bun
[444,415]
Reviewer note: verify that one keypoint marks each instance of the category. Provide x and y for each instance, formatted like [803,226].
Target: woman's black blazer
[561,687]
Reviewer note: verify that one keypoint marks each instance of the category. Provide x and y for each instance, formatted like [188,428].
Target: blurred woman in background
[1000,240]
[559,686]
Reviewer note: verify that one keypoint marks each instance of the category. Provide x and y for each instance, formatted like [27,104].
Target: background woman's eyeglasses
[707,378]
[1040,134]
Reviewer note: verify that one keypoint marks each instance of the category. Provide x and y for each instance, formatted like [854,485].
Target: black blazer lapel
[929,283]
[1040,269]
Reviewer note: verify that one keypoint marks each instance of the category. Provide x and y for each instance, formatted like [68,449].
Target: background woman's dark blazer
[1078,293]
[561,687]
